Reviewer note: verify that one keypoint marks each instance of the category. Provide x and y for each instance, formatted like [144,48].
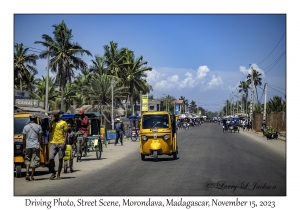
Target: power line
[33,48]
[277,90]
[275,62]
[277,87]
[273,49]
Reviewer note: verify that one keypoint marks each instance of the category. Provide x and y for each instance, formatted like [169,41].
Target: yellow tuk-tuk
[20,120]
[158,135]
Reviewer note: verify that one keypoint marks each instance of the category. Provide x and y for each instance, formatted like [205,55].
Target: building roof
[31,109]
[177,102]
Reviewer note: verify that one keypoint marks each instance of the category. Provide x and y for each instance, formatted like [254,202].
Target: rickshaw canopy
[67,116]
[134,117]
[89,115]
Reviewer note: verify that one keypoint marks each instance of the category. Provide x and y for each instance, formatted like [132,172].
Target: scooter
[134,135]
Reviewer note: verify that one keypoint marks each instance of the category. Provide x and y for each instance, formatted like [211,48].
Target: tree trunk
[21,88]
[131,105]
[62,108]
[126,107]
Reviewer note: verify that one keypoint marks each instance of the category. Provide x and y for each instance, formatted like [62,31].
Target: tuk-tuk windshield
[19,123]
[156,121]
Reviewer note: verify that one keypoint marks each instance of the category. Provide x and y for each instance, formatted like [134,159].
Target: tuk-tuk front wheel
[155,156]
[174,155]
[142,157]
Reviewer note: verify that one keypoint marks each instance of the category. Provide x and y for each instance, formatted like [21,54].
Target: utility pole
[112,104]
[264,124]
[251,97]
[141,104]
[47,85]
[265,105]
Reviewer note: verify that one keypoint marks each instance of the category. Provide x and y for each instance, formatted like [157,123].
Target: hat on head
[81,112]
[33,115]
[55,112]
[118,119]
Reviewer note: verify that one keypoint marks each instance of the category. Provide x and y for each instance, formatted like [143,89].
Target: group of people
[60,133]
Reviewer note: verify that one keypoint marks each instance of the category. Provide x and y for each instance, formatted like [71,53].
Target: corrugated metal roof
[31,109]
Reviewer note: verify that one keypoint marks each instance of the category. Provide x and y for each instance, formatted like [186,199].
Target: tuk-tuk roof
[27,114]
[134,117]
[67,116]
[89,115]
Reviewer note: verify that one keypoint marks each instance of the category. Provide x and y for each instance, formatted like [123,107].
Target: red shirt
[84,124]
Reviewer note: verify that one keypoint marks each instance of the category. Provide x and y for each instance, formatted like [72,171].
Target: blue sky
[201,57]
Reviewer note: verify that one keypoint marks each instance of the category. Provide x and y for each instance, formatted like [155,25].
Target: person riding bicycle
[84,130]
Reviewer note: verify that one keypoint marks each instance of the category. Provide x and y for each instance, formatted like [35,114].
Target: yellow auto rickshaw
[20,120]
[158,135]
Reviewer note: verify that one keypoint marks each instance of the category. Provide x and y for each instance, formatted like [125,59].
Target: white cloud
[202,72]
[215,82]
[246,71]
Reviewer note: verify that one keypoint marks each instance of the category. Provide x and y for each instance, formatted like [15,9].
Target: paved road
[210,163]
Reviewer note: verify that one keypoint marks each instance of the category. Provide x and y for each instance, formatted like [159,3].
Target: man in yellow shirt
[58,130]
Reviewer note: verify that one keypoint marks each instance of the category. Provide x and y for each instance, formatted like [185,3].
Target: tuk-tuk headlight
[145,138]
[166,137]
[18,140]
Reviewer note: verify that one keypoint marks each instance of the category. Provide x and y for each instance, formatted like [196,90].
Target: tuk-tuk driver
[84,130]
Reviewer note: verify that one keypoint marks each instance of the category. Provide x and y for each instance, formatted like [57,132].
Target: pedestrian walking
[71,140]
[57,129]
[119,132]
[32,132]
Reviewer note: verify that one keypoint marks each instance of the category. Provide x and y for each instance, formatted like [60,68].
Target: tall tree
[63,55]
[23,64]
[243,88]
[256,80]
[193,107]
[134,74]
[113,58]
[40,92]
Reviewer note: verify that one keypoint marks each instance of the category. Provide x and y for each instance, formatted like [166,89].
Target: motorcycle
[134,135]
[185,125]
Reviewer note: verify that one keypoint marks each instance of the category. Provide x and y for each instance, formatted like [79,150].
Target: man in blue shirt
[119,132]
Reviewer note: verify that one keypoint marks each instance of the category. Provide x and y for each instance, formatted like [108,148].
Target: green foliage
[270,130]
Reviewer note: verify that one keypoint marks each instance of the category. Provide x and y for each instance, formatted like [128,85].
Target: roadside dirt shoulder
[276,144]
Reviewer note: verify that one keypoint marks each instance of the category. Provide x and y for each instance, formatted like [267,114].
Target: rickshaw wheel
[155,156]
[65,166]
[98,151]
[78,157]
[18,171]
[142,157]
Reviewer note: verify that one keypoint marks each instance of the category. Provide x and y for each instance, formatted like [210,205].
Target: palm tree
[98,65]
[133,74]
[100,92]
[256,80]
[113,58]
[30,85]
[244,87]
[275,105]
[53,93]
[23,64]
[193,107]
[63,55]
